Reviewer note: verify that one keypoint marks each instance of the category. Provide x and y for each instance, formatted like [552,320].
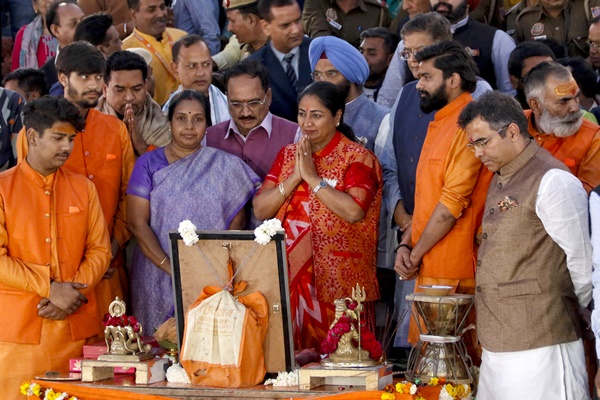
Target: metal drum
[439,360]
[440,351]
[441,315]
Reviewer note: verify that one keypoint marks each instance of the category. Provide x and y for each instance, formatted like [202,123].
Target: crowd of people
[401,144]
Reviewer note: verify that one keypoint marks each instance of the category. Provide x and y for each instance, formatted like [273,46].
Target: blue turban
[342,55]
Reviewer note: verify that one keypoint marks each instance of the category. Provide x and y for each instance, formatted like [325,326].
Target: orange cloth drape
[427,392]
[94,393]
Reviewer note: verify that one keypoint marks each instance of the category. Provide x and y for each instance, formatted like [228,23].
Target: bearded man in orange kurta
[440,248]
[556,121]
[54,249]
[103,153]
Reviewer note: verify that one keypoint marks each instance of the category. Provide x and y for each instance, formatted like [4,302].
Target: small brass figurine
[123,334]
[346,330]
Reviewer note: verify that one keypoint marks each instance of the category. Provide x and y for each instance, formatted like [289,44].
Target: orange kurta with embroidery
[104,154]
[166,83]
[450,174]
[51,228]
[580,151]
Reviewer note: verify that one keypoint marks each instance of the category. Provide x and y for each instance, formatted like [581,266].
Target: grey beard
[560,127]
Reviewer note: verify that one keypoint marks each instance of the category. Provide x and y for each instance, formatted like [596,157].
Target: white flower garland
[264,233]
[176,374]
[187,230]
[284,379]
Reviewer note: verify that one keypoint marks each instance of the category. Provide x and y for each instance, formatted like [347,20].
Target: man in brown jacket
[534,262]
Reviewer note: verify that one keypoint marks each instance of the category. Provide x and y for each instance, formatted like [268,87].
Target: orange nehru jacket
[50,229]
[450,174]
[580,151]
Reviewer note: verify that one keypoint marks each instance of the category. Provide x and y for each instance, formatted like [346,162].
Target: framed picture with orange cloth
[263,267]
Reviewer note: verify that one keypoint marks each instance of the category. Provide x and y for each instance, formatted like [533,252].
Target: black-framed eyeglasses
[593,45]
[252,104]
[407,53]
[481,143]
[317,76]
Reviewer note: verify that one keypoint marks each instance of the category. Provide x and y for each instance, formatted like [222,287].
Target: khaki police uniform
[569,29]
[325,18]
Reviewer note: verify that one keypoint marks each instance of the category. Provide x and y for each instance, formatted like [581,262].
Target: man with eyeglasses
[334,60]
[192,66]
[489,47]
[594,43]
[253,133]
[557,124]
[565,21]
[529,292]
[438,246]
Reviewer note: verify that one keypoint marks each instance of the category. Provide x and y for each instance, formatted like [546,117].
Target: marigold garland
[458,392]
[389,393]
[34,389]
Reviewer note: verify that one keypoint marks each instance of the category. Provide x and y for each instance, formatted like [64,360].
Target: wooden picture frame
[263,267]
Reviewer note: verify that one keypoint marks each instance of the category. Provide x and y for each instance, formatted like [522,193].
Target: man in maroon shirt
[253,133]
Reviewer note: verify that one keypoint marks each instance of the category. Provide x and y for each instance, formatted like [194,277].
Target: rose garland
[33,389]
[370,343]
[122,321]
[341,327]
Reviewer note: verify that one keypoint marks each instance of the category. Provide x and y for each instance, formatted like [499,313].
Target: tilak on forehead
[566,89]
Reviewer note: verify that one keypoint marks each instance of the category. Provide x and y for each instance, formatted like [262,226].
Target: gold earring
[337,124]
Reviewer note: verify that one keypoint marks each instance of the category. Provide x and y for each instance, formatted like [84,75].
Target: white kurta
[595,219]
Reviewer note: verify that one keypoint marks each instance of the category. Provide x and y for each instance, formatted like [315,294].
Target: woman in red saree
[326,189]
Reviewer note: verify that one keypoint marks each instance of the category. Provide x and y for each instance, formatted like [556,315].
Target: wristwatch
[321,185]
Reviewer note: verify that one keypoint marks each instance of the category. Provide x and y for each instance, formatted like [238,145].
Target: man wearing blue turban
[335,60]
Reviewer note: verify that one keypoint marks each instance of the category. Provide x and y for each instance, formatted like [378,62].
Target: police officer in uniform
[565,21]
[342,18]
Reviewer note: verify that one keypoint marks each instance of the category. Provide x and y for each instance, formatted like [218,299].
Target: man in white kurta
[534,262]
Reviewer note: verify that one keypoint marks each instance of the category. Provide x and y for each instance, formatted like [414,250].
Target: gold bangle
[282,190]
[163,261]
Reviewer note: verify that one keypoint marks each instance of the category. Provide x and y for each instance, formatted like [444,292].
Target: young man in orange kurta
[151,33]
[54,249]
[440,248]
[557,124]
[103,153]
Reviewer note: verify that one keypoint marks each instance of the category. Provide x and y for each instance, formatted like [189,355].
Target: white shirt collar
[267,124]
[280,55]
[459,24]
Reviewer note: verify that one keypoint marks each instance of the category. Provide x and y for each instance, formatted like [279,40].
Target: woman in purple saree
[180,181]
